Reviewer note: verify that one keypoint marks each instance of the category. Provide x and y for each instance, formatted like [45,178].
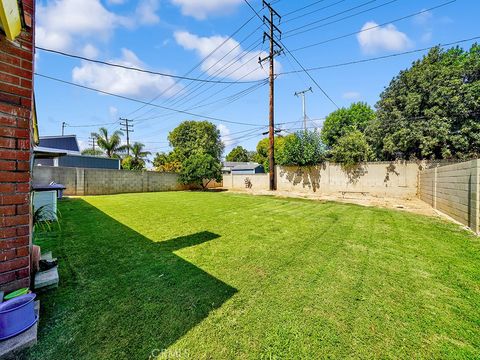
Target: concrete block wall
[80,181]
[454,190]
[390,179]
[16,79]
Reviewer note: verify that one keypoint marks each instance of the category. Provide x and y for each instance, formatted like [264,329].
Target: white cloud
[225,135]
[123,81]
[146,12]
[90,51]
[351,95]
[61,22]
[224,61]
[382,38]
[423,17]
[200,9]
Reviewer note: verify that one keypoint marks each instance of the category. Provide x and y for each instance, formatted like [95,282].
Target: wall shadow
[121,293]
[307,176]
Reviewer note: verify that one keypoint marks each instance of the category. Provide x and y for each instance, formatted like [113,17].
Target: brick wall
[16,79]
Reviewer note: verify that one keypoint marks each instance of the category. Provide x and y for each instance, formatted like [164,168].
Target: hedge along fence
[80,181]
[386,179]
[454,190]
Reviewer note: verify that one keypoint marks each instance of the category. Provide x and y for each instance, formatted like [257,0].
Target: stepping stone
[46,256]
[10,348]
[47,279]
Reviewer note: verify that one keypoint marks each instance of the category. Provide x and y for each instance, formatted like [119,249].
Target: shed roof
[67,142]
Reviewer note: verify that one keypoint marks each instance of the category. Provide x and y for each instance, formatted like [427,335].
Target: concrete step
[10,348]
[47,279]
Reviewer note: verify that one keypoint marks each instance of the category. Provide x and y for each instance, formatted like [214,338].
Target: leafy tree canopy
[304,148]
[166,163]
[431,110]
[200,167]
[238,154]
[351,149]
[137,159]
[195,137]
[345,120]
[130,163]
[263,147]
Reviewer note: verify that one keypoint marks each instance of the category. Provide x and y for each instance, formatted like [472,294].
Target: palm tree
[111,145]
[138,154]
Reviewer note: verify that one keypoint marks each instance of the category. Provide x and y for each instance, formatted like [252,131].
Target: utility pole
[93,139]
[302,94]
[128,129]
[63,127]
[275,49]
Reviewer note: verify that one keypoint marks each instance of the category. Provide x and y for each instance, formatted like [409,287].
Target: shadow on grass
[121,295]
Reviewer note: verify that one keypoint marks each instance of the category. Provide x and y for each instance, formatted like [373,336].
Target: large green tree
[165,162]
[340,122]
[195,137]
[238,153]
[431,110]
[111,144]
[304,148]
[200,169]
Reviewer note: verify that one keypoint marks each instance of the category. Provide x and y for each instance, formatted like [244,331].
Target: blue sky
[172,36]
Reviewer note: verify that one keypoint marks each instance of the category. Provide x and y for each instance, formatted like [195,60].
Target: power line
[378,57]
[373,27]
[302,8]
[317,10]
[335,21]
[142,70]
[128,129]
[142,102]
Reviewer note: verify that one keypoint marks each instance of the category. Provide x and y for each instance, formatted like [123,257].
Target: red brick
[25,83]
[13,132]
[14,155]
[23,73]
[17,284]
[23,231]
[8,176]
[11,89]
[8,255]
[7,188]
[7,121]
[23,209]
[23,166]
[6,233]
[23,251]
[6,46]
[7,78]
[8,210]
[7,277]
[14,264]
[15,110]
[14,243]
[22,188]
[23,273]
[23,123]
[10,99]
[9,59]
[26,102]
[6,166]
[9,143]
[9,221]
[17,199]
[23,144]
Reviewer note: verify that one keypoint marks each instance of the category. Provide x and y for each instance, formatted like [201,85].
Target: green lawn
[223,276]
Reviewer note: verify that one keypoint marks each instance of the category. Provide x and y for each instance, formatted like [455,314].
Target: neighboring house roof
[67,143]
[232,164]
[248,166]
[44,152]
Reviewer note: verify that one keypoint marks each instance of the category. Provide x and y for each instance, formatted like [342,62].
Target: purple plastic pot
[17,315]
